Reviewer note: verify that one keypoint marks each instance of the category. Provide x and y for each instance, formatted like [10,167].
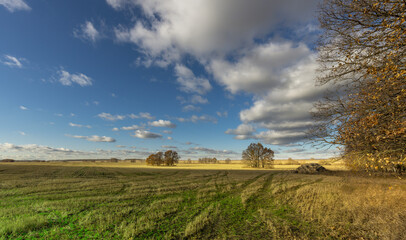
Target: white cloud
[115,129]
[23,107]
[13,5]
[128,128]
[196,99]
[195,119]
[12,61]
[146,134]
[33,151]
[22,133]
[79,125]
[169,138]
[243,131]
[262,68]
[110,117]
[67,79]
[32,148]
[169,147]
[87,32]
[189,82]
[212,151]
[207,27]
[280,137]
[162,123]
[278,73]
[145,115]
[95,138]
[222,114]
[167,131]
[189,108]
[117,4]
[282,104]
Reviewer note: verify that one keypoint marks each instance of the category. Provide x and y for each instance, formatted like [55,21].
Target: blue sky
[126,78]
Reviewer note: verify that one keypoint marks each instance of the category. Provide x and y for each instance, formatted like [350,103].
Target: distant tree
[8,160]
[206,160]
[258,156]
[227,161]
[155,159]
[171,158]
[189,161]
[113,160]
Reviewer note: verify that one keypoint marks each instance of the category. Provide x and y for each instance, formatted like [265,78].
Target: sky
[127,78]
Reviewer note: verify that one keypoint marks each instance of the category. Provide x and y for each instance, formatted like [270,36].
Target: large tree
[362,53]
[258,156]
[155,159]
[171,158]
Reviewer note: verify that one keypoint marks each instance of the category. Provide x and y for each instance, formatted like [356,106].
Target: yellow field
[235,165]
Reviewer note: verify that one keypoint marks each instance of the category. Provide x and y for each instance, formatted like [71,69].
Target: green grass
[56,201]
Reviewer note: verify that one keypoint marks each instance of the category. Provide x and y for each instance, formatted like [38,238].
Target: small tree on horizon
[258,156]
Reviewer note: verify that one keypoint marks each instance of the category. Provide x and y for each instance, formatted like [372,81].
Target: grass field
[129,201]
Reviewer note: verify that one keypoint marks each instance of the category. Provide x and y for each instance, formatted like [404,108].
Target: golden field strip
[92,200]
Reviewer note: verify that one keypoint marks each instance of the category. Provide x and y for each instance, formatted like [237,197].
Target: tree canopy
[362,53]
[258,156]
[169,158]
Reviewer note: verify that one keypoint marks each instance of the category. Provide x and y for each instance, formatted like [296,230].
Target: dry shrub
[378,162]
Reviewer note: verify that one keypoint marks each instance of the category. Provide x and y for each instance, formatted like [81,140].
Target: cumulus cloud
[87,32]
[145,115]
[79,125]
[283,107]
[189,82]
[162,123]
[14,5]
[169,147]
[146,134]
[190,108]
[23,107]
[170,29]
[196,99]
[11,61]
[262,68]
[33,148]
[94,138]
[213,151]
[110,117]
[222,114]
[167,131]
[243,131]
[233,44]
[68,79]
[115,129]
[34,151]
[195,119]
[128,128]
[22,133]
